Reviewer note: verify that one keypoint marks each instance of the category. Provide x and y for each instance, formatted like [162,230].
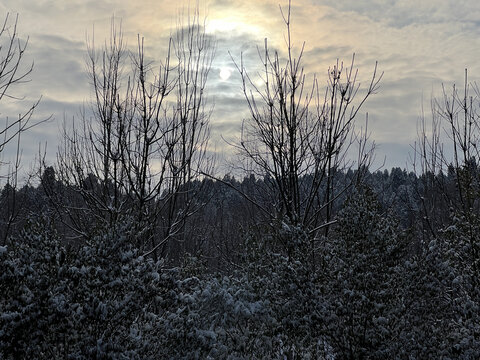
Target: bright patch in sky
[225,27]
[225,74]
[220,25]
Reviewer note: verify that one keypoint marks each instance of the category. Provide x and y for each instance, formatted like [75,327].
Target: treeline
[231,285]
[130,246]
[217,230]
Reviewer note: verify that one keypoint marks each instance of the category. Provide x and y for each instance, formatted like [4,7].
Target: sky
[419,45]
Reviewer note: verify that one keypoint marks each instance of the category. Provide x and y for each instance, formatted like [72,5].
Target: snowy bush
[79,304]
[363,274]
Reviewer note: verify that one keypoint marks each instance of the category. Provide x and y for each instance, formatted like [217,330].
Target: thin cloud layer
[418,45]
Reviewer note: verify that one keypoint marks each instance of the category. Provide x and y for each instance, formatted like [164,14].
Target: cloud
[60,66]
[418,44]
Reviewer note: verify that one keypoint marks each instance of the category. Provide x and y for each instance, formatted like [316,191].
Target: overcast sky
[418,44]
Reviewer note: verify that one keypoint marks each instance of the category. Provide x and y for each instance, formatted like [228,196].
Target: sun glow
[220,25]
[226,26]
[225,73]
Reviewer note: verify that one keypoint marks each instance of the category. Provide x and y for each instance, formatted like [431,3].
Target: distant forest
[131,246]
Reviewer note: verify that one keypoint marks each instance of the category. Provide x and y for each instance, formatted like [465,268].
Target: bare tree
[298,138]
[141,152]
[447,158]
[13,73]
[446,151]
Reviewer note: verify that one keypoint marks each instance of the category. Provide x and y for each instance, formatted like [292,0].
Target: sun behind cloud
[225,73]
[226,25]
